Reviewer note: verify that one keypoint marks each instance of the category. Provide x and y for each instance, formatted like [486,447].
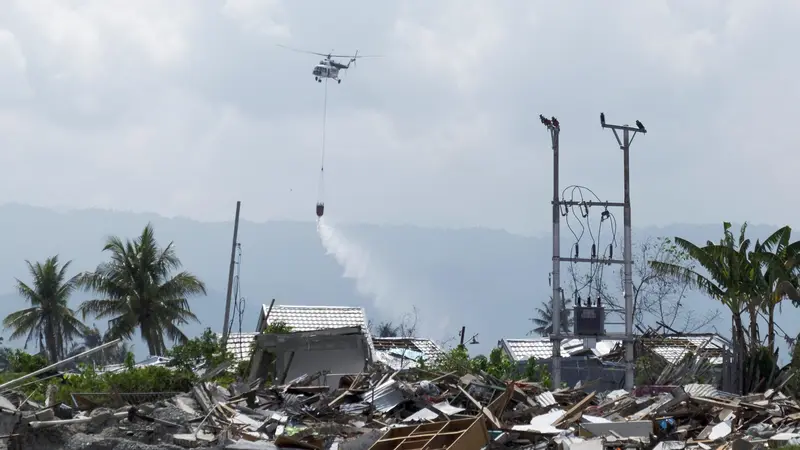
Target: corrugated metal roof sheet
[385,397]
[701,390]
[546,399]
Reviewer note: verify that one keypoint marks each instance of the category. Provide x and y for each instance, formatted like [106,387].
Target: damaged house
[581,360]
[681,358]
[401,353]
[330,339]
[661,359]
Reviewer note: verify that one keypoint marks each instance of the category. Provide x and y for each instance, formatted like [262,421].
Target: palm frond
[136,289]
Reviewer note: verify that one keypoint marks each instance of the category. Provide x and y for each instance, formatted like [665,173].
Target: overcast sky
[183,107]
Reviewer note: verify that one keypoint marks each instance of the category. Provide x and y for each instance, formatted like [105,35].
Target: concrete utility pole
[596,329]
[555,337]
[225,326]
[628,133]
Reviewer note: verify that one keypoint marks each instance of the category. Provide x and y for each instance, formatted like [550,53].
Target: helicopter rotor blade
[302,51]
[356,56]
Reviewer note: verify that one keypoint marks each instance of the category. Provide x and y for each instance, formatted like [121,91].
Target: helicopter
[328,67]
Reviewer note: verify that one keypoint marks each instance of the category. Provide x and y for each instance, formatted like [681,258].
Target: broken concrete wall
[337,354]
[337,351]
[604,376]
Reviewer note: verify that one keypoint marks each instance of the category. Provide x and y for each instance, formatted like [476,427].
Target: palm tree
[94,338]
[733,279]
[544,321]
[138,289]
[387,329]
[778,265]
[49,320]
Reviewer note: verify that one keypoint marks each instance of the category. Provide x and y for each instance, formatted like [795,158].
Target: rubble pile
[409,410]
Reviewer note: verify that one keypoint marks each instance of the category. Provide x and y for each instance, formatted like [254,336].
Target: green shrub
[457,360]
[277,327]
[203,351]
[142,379]
[23,362]
[537,373]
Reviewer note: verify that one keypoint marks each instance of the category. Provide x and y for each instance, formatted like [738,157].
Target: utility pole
[628,133]
[555,337]
[225,329]
[591,318]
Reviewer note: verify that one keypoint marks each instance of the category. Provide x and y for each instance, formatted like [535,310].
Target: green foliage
[457,360]
[544,319]
[387,329]
[22,362]
[130,380]
[648,368]
[537,373]
[203,351]
[500,365]
[49,321]
[277,327]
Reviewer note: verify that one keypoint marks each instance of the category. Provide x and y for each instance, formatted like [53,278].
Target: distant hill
[489,281]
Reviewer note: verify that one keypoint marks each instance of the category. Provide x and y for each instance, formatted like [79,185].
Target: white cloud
[184,107]
[260,16]
[13,69]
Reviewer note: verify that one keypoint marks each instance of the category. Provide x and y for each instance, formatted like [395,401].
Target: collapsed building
[326,383]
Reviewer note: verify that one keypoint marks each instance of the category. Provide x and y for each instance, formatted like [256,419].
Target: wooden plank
[575,411]
[482,409]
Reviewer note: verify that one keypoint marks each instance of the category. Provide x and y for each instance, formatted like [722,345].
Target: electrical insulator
[610,251]
[320,209]
[576,250]
[594,251]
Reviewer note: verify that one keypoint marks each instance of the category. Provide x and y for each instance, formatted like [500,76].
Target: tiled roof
[671,348]
[427,347]
[674,348]
[240,344]
[541,348]
[311,318]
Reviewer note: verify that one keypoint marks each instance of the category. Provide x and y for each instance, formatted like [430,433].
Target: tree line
[141,287]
